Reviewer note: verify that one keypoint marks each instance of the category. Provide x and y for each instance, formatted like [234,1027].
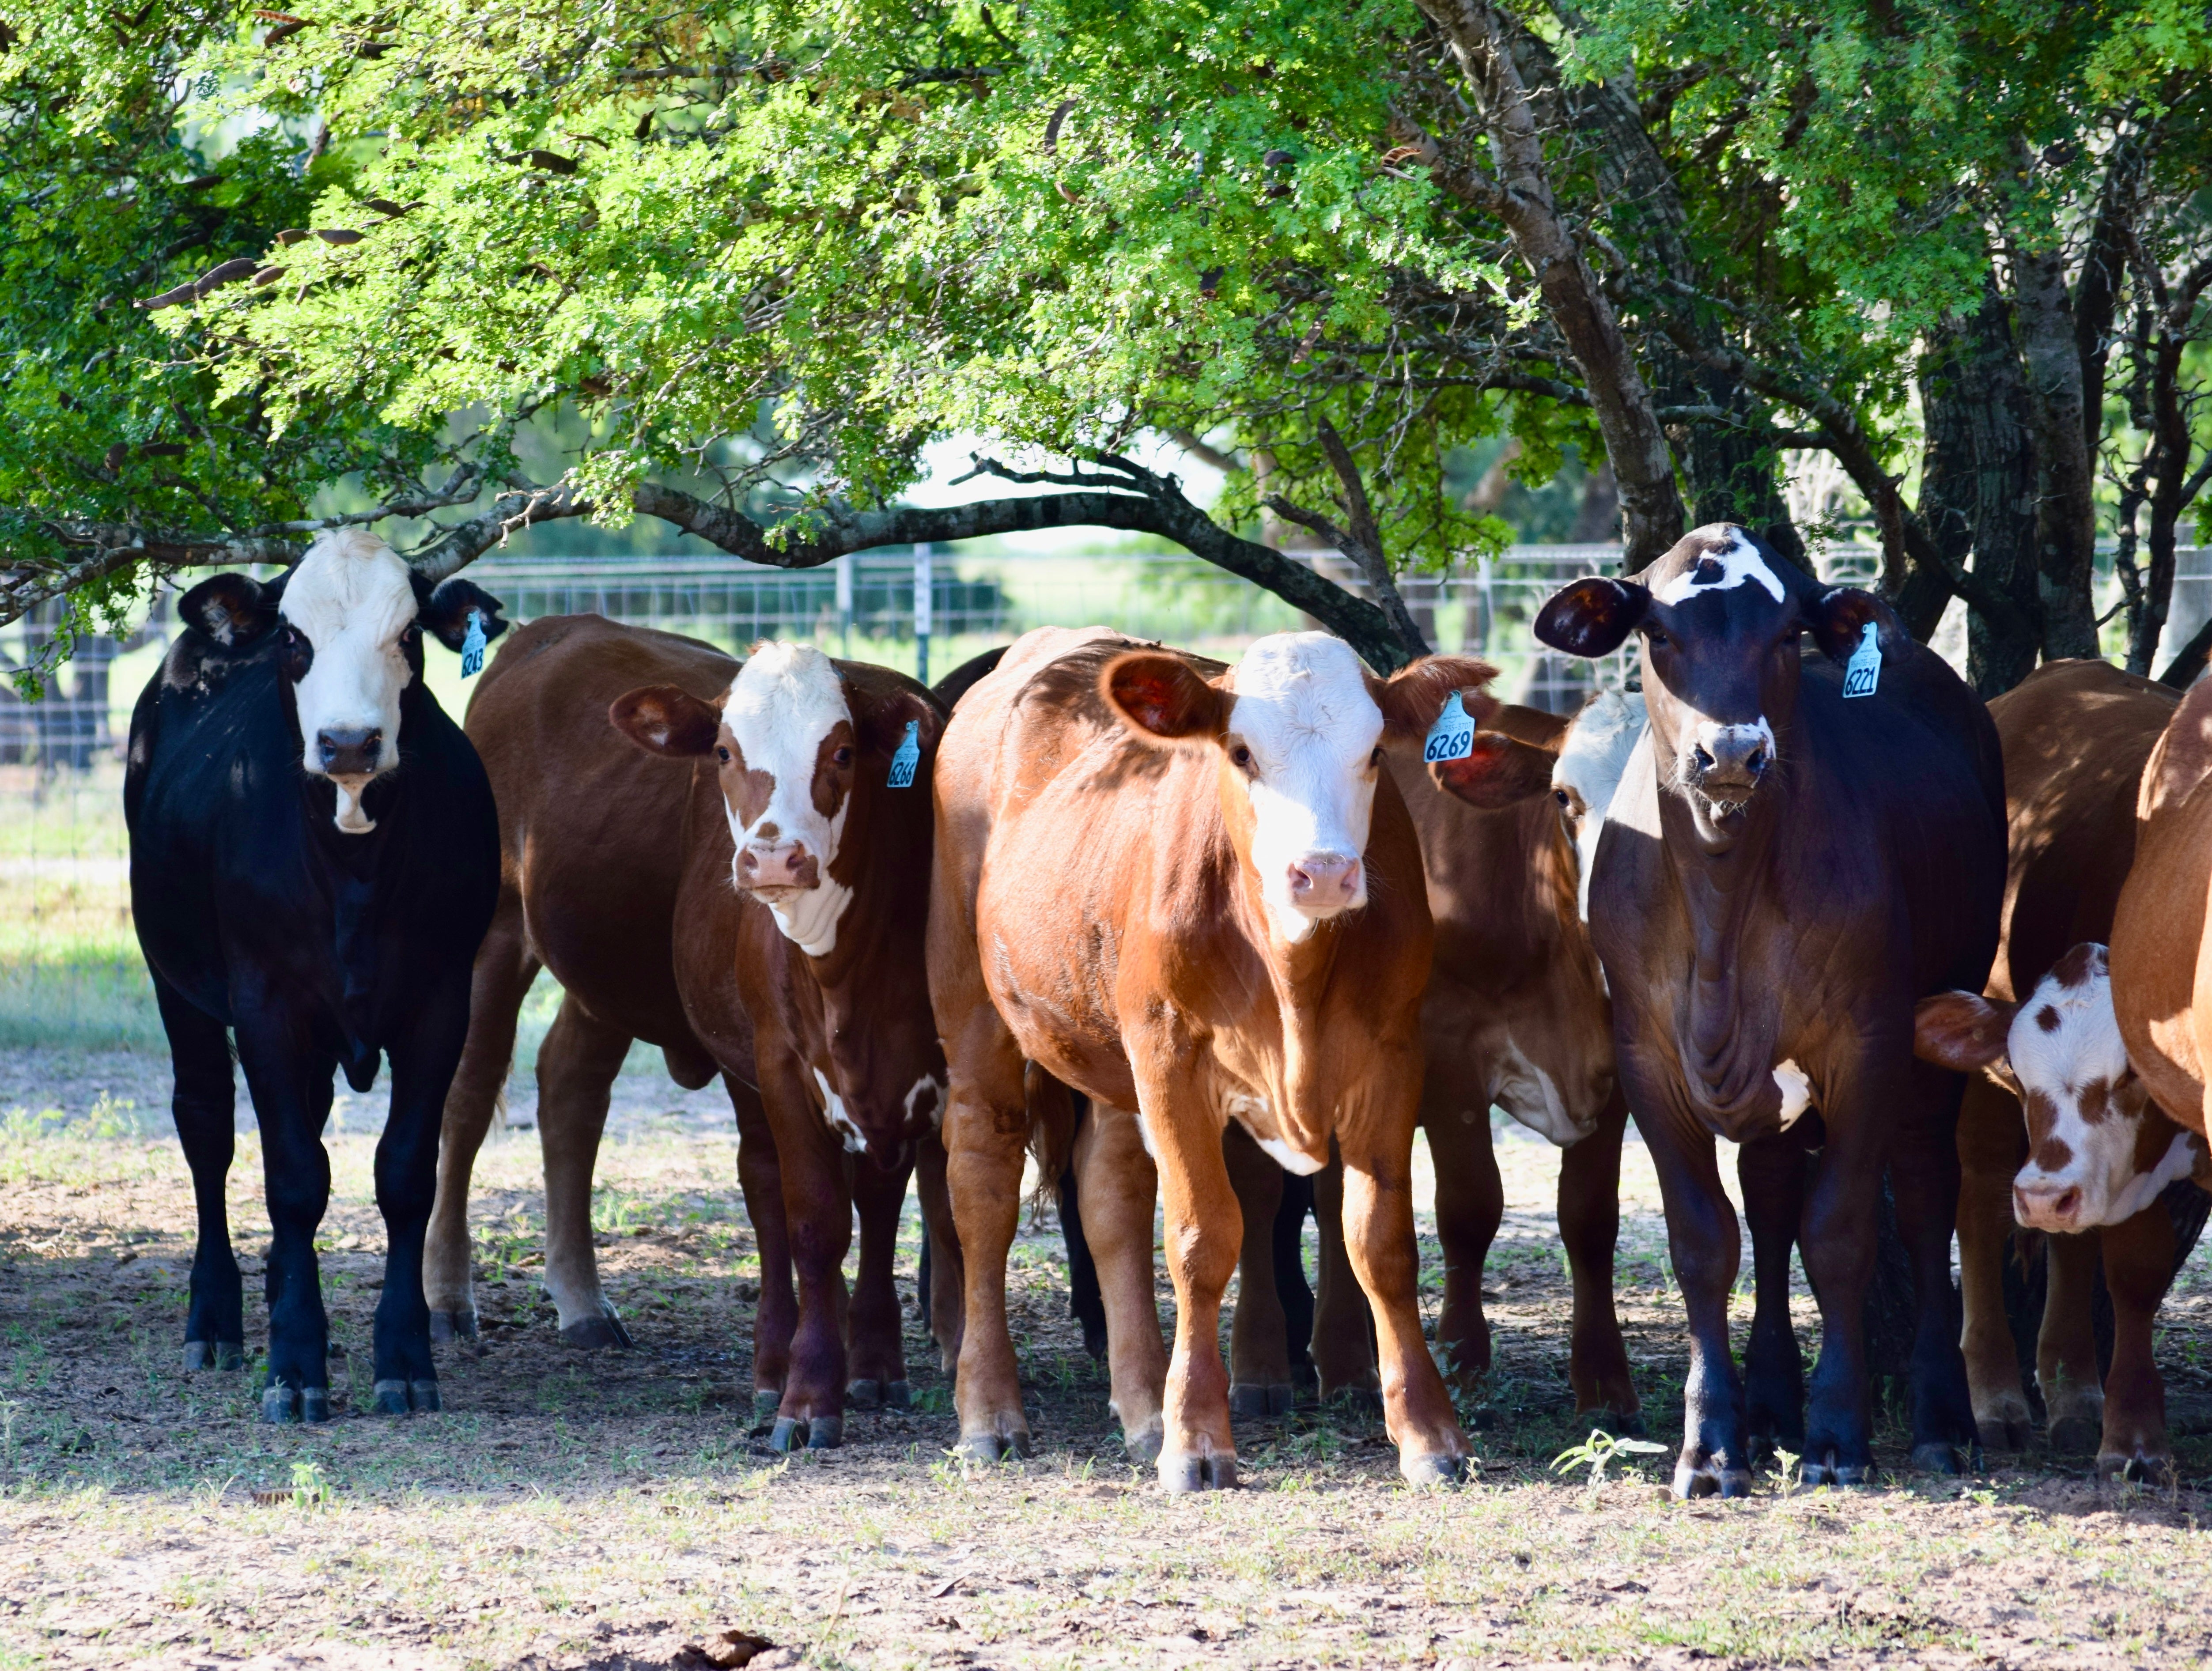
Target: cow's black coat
[320,948]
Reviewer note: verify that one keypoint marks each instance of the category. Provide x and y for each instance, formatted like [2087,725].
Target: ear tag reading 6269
[907,756]
[472,647]
[1452,737]
[1863,671]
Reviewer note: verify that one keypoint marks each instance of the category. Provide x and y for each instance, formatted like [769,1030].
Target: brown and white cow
[1194,895]
[723,871]
[2062,1134]
[1786,869]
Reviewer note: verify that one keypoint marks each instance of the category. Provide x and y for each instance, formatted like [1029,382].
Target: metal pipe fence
[69,966]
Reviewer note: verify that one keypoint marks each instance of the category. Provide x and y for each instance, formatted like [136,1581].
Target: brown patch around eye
[2096,1102]
[828,777]
[2042,1115]
[749,790]
[2047,1017]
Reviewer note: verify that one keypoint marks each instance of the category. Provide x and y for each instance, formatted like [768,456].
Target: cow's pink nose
[1324,882]
[788,865]
[2046,1206]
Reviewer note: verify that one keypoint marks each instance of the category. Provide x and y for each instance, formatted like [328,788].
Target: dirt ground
[604,1510]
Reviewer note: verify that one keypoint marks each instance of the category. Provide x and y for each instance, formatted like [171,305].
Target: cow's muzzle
[1726,764]
[1321,883]
[2048,1205]
[355,752]
[783,867]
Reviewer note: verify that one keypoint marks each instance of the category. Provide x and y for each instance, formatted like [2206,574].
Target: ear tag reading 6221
[1452,737]
[472,647]
[1863,671]
[907,756]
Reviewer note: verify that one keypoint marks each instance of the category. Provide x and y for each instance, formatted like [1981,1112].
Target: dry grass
[602,1510]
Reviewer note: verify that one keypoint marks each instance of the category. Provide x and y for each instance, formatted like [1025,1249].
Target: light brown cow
[1195,897]
[735,880]
[2061,1134]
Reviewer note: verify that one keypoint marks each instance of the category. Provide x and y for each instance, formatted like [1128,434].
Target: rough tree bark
[2065,502]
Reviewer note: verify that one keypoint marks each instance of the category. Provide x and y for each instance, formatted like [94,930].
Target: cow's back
[2161,965]
[591,826]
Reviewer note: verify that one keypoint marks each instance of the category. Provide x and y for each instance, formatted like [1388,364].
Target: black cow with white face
[315,858]
[1802,845]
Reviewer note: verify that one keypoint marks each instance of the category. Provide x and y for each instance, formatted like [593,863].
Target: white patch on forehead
[785,701]
[1737,562]
[1592,758]
[1796,1091]
[1301,705]
[1532,1096]
[833,1112]
[352,598]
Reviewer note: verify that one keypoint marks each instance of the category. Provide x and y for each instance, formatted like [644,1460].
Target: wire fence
[69,968]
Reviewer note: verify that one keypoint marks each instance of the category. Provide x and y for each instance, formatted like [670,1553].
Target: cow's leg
[1259,1332]
[941,1272]
[2138,1268]
[1343,1333]
[1470,1206]
[876,1362]
[290,1084]
[205,1108]
[576,1069]
[986,1137]
[1703,1242]
[1992,1144]
[760,1177]
[501,980]
[1292,1288]
[1923,1176]
[1376,1144]
[1589,1228]
[1116,1186]
[1085,1304]
[1836,1239]
[2066,1346]
[817,1209]
[422,1066]
[1205,1231]
[1772,1171]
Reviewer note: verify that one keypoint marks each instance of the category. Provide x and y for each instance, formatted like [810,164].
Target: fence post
[844,568]
[922,578]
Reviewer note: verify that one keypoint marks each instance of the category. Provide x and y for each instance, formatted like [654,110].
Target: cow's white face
[1592,758]
[1302,734]
[787,750]
[351,646]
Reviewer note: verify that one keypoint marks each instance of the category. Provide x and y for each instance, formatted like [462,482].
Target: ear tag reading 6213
[1452,737]
[472,647]
[1863,671]
[907,756]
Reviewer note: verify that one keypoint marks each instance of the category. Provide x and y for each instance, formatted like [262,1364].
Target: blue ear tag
[1452,737]
[907,756]
[1863,671]
[472,647]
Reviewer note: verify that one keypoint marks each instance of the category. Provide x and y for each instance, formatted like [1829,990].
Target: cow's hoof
[767,1401]
[598,1333]
[422,1395]
[991,1448]
[459,1325]
[1252,1398]
[1436,1468]
[315,1405]
[2076,1436]
[864,1395]
[825,1432]
[2002,1433]
[1182,1471]
[1830,1469]
[789,1434]
[1935,1456]
[1710,1478]
[1143,1445]
[898,1395]
[390,1398]
[280,1403]
[214,1355]
[2141,1468]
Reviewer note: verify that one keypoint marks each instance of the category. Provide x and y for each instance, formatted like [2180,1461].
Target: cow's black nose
[350,753]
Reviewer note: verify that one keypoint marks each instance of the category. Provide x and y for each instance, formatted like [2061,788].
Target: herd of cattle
[1216,939]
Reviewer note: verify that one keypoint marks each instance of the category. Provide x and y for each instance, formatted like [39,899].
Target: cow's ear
[1837,619]
[445,615]
[231,608]
[1161,697]
[1961,1030]
[1412,697]
[1502,771]
[881,718]
[663,720]
[1592,616]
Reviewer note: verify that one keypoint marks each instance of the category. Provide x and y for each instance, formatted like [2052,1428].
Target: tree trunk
[2065,481]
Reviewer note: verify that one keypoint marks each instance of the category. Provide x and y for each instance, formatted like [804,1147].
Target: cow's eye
[721,754]
[1560,796]
[1657,640]
[842,758]
[1375,760]
[1241,758]
[412,635]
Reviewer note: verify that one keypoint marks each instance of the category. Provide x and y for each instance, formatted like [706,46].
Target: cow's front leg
[1204,1233]
[941,1272]
[290,1085]
[877,1364]
[205,1110]
[1259,1332]
[1703,1242]
[817,1206]
[576,1068]
[1772,1169]
[986,1136]
[1377,1145]
[1837,1242]
[1343,1329]
[760,1178]
[2066,1346]
[1470,1206]
[406,1185]
[1117,1185]
[1924,1175]
[2138,1269]
[1589,1228]
[1992,1144]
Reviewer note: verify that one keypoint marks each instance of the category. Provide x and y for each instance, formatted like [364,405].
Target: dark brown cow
[803,981]
[1195,898]
[1785,870]
[2062,1134]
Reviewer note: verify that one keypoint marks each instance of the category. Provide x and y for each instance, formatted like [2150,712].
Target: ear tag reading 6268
[907,756]
[1863,671]
[1452,737]
[472,647]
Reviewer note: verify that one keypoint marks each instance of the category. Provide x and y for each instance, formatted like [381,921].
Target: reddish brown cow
[1195,897]
[801,984]
[2092,1152]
